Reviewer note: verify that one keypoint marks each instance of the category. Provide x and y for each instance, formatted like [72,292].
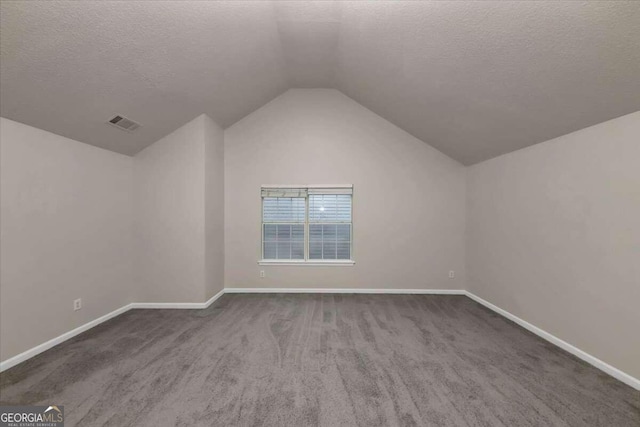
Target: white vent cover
[124,123]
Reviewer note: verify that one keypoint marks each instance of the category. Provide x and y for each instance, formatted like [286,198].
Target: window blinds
[318,216]
[283,221]
[283,241]
[329,208]
[329,241]
[283,209]
[329,226]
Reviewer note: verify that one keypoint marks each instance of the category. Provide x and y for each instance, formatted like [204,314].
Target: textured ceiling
[473,79]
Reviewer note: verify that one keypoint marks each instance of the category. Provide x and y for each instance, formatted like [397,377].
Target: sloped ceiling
[473,79]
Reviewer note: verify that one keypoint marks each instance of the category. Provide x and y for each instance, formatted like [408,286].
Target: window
[307,225]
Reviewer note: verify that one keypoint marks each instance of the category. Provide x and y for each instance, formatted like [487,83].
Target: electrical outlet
[77,304]
[452,274]
[262,273]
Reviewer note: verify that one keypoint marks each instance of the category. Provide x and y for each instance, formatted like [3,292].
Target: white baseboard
[9,363]
[342,291]
[605,367]
[592,360]
[13,361]
[178,305]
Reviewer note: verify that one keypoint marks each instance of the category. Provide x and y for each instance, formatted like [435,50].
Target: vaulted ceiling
[473,79]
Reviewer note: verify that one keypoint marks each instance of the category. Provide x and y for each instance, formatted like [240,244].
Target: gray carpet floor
[323,359]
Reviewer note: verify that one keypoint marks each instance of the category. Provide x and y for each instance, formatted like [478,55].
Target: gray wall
[214,207]
[552,231]
[554,238]
[65,219]
[169,211]
[178,215]
[409,203]
[81,222]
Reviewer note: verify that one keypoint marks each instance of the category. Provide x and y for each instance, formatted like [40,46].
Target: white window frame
[306,261]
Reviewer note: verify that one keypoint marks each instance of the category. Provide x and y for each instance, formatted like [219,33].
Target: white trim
[342,291]
[314,263]
[307,186]
[9,363]
[178,305]
[331,190]
[13,361]
[592,360]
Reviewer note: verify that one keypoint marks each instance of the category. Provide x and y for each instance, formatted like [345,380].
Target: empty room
[319,213]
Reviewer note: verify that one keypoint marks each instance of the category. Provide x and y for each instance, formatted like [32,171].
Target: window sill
[312,263]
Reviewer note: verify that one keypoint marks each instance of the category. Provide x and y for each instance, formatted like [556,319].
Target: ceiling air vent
[124,123]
